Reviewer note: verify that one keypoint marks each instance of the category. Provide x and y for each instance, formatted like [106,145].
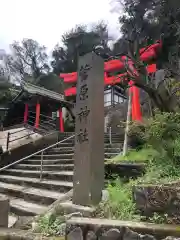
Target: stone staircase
[29,195]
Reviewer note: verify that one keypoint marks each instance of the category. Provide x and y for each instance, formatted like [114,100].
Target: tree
[7,92]
[142,22]
[28,58]
[76,42]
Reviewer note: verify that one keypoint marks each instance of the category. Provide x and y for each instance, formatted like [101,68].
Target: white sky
[46,20]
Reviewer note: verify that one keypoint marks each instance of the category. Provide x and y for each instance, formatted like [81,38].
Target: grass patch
[52,226]
[119,205]
[143,155]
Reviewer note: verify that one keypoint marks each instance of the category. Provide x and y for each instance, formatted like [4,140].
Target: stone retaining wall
[101,233]
[157,198]
[125,170]
[101,229]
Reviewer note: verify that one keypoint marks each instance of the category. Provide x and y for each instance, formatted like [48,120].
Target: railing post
[41,171]
[7,143]
[110,136]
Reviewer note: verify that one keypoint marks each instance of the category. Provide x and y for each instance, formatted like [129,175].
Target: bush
[159,139]
[69,126]
[136,135]
[162,133]
[51,226]
[119,205]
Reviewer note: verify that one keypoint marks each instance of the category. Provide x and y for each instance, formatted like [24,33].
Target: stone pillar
[37,115]
[4,211]
[61,122]
[26,113]
[89,140]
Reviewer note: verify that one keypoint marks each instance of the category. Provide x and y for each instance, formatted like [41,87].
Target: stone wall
[101,233]
[93,228]
[160,199]
[125,170]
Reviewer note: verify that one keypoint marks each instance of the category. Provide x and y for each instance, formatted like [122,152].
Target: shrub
[136,135]
[119,205]
[162,133]
[69,125]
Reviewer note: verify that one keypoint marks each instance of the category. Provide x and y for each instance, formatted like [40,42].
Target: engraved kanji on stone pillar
[89,140]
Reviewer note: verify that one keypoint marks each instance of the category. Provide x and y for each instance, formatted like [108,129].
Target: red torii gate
[146,54]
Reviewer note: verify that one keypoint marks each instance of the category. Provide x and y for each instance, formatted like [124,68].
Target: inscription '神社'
[82,136]
[83,114]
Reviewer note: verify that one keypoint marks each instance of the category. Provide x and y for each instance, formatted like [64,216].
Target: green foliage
[120,205]
[51,225]
[162,154]
[151,20]
[160,170]
[7,92]
[159,219]
[69,124]
[160,133]
[51,82]
[78,40]
[136,134]
[143,155]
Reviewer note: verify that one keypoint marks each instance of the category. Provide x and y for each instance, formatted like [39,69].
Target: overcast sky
[46,20]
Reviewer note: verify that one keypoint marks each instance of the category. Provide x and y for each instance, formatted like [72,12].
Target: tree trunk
[125,146]
[156,97]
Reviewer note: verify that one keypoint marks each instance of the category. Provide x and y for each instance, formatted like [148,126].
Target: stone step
[110,154]
[54,175]
[70,150]
[67,156]
[65,144]
[54,156]
[44,197]
[45,166]
[21,207]
[52,151]
[53,185]
[112,149]
[106,134]
[46,162]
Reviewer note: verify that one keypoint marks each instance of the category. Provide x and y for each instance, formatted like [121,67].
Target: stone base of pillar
[4,211]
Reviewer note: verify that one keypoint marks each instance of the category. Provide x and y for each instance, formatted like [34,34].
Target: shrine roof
[41,91]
